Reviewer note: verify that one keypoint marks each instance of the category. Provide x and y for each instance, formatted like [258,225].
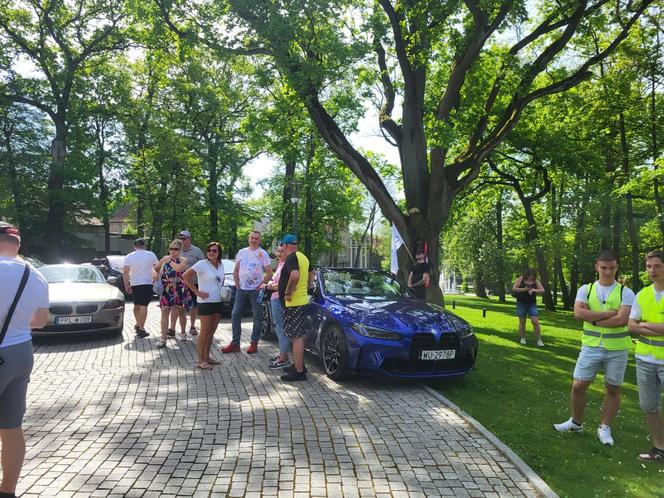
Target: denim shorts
[650,379]
[593,360]
[526,309]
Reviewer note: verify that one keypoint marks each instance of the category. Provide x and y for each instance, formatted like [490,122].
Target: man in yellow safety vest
[646,322]
[604,307]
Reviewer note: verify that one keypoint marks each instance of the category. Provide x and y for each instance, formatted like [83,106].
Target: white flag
[397,242]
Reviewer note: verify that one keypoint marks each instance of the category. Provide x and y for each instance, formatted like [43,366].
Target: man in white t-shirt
[646,322]
[137,273]
[193,255]
[16,358]
[604,308]
[253,268]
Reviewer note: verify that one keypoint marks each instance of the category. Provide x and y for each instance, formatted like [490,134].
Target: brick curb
[538,483]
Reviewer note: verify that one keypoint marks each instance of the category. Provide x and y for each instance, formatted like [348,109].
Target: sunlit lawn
[518,392]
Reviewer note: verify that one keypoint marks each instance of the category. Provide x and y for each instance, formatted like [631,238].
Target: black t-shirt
[290,263]
[525,297]
[419,269]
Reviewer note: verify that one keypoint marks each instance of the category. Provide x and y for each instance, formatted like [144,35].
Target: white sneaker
[604,435]
[161,343]
[568,426]
[523,341]
[540,344]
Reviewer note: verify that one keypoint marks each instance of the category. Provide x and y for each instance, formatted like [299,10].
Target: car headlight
[113,304]
[375,333]
[461,326]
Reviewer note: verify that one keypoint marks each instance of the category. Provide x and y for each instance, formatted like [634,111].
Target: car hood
[68,292]
[401,314]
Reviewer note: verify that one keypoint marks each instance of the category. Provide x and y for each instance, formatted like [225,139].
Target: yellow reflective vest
[653,312]
[612,338]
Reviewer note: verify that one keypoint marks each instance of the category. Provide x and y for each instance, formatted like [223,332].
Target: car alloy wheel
[334,352]
[267,328]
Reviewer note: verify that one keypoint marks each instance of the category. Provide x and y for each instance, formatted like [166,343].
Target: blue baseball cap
[288,238]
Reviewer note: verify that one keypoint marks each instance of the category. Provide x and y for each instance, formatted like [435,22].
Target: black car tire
[267,327]
[334,352]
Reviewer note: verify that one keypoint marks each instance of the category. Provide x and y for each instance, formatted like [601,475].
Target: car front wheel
[334,352]
[267,328]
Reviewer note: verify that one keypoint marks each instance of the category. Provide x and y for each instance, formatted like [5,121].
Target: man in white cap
[193,255]
[20,311]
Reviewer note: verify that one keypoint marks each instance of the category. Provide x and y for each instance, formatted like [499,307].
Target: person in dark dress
[525,289]
[418,277]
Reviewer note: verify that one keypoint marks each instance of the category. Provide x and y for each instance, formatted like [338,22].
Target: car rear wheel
[267,328]
[334,352]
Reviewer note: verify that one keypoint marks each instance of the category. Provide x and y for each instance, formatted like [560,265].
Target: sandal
[654,455]
[193,331]
[171,332]
[204,366]
[212,361]
[183,336]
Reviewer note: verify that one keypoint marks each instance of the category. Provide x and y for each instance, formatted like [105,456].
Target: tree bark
[55,222]
[12,172]
[500,282]
[287,213]
[631,228]
[213,186]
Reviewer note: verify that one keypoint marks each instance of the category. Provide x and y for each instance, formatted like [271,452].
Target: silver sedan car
[81,300]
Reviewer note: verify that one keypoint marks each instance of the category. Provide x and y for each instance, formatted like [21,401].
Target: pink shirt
[275,279]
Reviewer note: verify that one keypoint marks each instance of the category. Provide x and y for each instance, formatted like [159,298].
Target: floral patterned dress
[174,293]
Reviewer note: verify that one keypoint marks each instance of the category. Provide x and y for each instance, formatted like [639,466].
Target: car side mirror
[112,280]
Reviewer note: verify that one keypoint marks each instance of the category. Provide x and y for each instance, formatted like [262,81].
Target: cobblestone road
[118,417]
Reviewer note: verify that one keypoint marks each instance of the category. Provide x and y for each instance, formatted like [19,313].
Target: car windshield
[364,284]
[57,274]
[116,262]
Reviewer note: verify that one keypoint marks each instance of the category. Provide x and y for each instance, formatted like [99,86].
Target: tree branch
[385,114]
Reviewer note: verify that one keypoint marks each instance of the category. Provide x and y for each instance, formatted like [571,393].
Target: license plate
[72,320]
[442,354]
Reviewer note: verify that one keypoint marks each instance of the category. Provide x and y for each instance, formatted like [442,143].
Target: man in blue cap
[296,278]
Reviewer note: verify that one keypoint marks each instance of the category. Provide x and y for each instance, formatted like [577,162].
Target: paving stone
[115,417]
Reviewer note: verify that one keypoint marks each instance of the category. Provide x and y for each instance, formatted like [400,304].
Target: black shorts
[205,309]
[296,320]
[142,294]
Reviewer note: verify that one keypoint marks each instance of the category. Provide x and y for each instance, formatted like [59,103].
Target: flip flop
[204,366]
[212,361]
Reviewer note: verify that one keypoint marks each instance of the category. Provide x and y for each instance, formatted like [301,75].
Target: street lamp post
[295,199]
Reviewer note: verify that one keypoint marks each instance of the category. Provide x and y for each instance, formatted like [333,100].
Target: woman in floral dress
[174,296]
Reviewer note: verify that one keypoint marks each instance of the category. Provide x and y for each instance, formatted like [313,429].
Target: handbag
[226,293]
[8,318]
[158,285]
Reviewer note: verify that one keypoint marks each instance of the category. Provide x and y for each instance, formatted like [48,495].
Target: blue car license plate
[441,354]
[72,320]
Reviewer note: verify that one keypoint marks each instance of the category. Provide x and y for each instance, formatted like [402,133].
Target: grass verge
[518,392]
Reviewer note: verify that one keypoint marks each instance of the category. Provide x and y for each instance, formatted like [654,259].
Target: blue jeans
[241,299]
[278,320]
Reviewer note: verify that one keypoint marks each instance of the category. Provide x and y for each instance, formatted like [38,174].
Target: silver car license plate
[72,320]
[441,354]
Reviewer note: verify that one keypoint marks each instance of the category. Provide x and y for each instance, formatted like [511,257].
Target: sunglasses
[173,248]
[212,249]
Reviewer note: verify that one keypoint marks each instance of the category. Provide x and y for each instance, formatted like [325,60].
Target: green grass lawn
[518,392]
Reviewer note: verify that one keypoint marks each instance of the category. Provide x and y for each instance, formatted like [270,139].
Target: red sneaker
[231,348]
[253,347]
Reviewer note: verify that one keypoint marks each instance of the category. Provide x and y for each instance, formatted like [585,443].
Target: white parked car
[81,300]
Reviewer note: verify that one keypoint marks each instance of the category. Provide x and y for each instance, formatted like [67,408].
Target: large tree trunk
[287,213]
[500,282]
[103,186]
[55,219]
[480,288]
[542,265]
[12,172]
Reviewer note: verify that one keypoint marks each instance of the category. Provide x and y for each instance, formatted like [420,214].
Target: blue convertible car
[365,321]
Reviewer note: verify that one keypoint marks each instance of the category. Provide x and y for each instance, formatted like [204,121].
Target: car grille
[86,309]
[60,310]
[424,342]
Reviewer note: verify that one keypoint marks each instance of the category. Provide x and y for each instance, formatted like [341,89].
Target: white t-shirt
[252,266]
[636,314]
[603,292]
[210,280]
[34,297]
[140,263]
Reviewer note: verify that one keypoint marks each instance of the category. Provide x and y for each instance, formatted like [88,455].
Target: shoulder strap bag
[8,318]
